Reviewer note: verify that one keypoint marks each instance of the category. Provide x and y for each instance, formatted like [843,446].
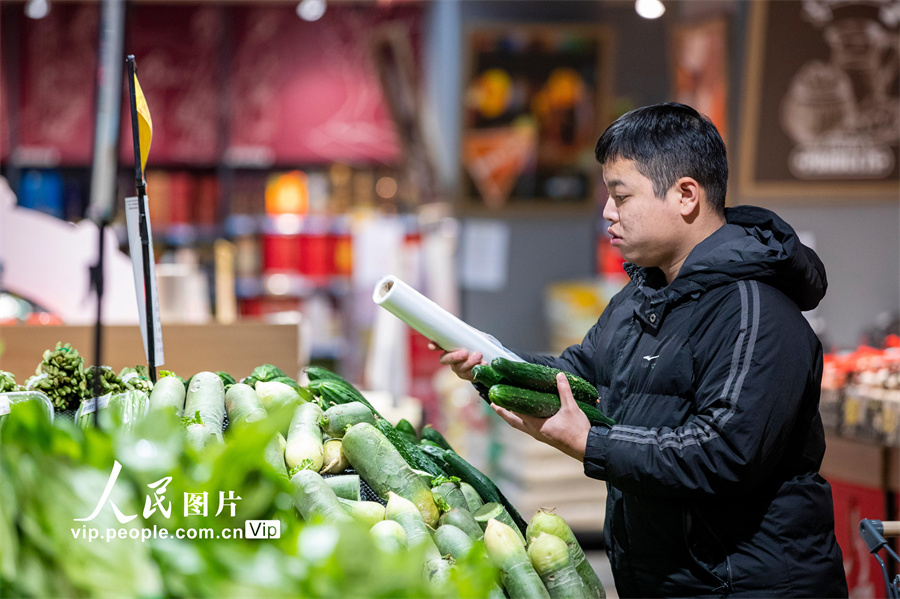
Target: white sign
[485,247]
[132,221]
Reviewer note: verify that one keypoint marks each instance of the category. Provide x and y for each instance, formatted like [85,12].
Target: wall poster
[535,99]
[822,110]
[699,66]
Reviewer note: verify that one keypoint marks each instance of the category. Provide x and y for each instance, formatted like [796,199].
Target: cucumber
[452,541]
[550,558]
[543,378]
[546,522]
[337,418]
[389,535]
[206,394]
[315,500]
[435,453]
[495,511]
[430,434]
[451,494]
[484,486]
[464,520]
[518,576]
[539,404]
[380,464]
[304,447]
[412,453]
[333,457]
[242,405]
[168,392]
[405,426]
[274,454]
[487,376]
[473,499]
[334,392]
[345,486]
[364,512]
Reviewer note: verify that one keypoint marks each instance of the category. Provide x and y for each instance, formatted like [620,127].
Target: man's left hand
[567,430]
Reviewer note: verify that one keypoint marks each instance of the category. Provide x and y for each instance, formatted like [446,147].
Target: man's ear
[690,195]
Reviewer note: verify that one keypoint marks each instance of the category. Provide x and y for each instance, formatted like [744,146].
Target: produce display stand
[266,446]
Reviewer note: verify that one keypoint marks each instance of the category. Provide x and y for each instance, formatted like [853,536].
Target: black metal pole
[97,283]
[143,227]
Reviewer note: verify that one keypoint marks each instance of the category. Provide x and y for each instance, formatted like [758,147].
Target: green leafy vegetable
[227,379]
[267,372]
[61,377]
[7,382]
[189,420]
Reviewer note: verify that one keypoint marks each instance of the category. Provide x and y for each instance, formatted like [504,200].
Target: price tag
[4,405]
[95,403]
[132,218]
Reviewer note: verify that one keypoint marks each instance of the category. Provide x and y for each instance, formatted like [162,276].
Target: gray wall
[860,247]
[857,241]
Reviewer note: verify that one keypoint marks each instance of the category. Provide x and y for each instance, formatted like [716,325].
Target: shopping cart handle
[891,529]
[873,533]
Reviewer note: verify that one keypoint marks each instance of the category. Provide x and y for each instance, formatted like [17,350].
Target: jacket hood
[755,243]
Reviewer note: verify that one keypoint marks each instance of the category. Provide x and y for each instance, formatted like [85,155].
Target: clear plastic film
[434,322]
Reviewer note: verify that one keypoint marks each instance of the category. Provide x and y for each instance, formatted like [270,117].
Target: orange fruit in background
[565,87]
[492,93]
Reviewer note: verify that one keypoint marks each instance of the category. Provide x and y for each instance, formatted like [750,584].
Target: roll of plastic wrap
[434,322]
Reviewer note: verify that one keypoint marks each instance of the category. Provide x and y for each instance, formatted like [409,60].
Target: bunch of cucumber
[530,389]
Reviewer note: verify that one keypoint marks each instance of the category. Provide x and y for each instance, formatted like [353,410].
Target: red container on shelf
[206,206]
[317,255]
[281,253]
[181,190]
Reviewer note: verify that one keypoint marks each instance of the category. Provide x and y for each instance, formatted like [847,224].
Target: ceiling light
[649,9]
[37,9]
[311,10]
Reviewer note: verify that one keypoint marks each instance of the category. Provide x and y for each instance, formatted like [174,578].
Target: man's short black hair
[666,142]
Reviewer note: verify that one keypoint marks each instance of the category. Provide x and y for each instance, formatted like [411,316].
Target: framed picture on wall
[699,54]
[822,109]
[535,100]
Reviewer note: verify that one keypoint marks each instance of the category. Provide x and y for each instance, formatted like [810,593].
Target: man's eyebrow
[614,183]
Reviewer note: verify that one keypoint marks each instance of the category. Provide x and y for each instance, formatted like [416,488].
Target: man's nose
[609,210]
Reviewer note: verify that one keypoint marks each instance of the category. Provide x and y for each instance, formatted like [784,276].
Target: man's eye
[619,198]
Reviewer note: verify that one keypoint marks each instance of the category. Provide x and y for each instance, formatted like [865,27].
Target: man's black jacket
[713,381]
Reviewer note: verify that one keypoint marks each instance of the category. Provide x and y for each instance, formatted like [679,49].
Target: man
[711,373]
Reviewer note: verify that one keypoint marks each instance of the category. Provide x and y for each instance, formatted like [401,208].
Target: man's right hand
[460,361]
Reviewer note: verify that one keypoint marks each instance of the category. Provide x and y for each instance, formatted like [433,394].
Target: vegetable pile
[384,510]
